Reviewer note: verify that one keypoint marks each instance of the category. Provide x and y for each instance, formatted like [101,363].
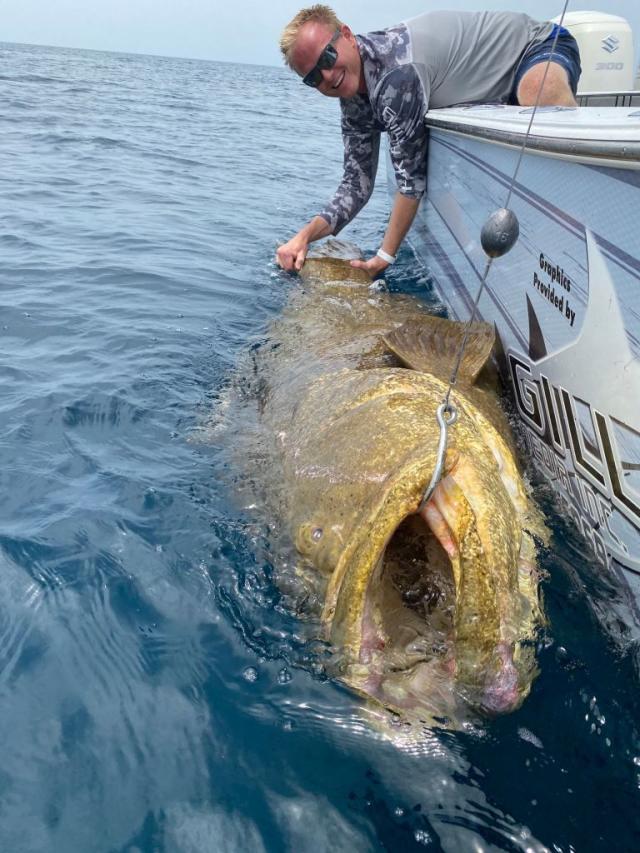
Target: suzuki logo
[610,44]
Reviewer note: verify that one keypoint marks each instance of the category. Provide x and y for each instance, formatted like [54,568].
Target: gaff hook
[446,415]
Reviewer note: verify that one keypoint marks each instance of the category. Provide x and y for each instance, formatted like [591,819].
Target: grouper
[430,611]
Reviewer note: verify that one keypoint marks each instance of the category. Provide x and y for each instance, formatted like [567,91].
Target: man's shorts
[565,53]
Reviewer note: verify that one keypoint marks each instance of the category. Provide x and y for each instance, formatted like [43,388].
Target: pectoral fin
[431,345]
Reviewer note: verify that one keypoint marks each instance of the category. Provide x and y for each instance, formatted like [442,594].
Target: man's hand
[291,256]
[374,266]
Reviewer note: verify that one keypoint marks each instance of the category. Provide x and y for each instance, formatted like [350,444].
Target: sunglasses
[327,59]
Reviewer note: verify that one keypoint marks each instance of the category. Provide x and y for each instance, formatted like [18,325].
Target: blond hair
[320,13]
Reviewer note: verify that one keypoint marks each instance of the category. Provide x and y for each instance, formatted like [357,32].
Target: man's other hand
[374,266]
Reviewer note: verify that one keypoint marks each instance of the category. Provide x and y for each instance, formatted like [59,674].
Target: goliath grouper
[432,613]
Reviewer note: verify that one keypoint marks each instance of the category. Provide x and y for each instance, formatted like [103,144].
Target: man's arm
[402,215]
[401,103]
[361,146]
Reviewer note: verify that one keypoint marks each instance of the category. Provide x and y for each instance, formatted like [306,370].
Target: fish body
[432,613]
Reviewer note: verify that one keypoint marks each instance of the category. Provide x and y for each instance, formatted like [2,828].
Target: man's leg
[556,92]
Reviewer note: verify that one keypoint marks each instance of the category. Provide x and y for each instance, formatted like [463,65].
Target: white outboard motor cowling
[606,51]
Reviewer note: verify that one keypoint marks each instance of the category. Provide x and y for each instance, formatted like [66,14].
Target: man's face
[341,81]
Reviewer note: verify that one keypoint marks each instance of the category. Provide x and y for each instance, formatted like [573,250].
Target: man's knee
[556,90]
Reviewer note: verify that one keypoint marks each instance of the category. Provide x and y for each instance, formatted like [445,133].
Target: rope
[447,413]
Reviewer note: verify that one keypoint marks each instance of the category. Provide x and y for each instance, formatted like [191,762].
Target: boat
[565,300]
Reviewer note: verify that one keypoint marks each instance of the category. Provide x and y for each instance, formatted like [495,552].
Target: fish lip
[398,499]
[400,685]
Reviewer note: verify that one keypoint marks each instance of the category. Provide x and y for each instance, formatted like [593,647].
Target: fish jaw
[489,662]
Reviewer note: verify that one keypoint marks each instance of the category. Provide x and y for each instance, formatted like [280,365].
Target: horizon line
[137,53]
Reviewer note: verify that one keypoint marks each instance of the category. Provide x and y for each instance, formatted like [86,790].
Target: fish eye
[308,537]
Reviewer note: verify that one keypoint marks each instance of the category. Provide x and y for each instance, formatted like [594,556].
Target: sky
[230,30]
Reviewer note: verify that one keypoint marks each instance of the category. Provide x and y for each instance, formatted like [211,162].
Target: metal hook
[446,415]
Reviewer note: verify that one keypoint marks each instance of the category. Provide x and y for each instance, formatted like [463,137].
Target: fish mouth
[407,649]
[431,613]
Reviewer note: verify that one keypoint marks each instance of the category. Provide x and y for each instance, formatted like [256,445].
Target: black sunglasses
[327,59]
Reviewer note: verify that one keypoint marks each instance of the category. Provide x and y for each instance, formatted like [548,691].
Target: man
[386,81]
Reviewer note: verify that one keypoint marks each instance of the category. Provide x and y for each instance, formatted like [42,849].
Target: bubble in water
[529,737]
[398,811]
[250,674]
[422,837]
[284,676]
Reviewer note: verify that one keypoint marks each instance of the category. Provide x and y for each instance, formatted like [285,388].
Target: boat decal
[628,262]
[595,486]
[537,345]
[571,358]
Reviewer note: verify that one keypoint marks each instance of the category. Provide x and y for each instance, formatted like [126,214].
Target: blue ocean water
[154,694]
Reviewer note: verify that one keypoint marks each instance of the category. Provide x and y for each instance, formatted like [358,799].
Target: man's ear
[346,32]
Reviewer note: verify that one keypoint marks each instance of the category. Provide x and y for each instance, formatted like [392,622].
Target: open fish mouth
[408,626]
[446,615]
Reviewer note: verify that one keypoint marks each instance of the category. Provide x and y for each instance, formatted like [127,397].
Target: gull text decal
[589,474]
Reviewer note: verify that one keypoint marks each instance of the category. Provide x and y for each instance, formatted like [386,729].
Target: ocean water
[154,693]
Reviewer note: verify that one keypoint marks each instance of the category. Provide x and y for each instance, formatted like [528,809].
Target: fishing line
[499,234]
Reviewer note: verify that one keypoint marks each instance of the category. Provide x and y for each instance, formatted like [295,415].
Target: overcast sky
[228,30]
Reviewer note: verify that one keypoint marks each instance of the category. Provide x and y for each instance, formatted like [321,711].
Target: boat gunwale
[625,153]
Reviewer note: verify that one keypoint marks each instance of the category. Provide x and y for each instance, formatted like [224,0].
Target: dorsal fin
[431,345]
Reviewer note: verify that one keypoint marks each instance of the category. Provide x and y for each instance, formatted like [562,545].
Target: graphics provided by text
[554,285]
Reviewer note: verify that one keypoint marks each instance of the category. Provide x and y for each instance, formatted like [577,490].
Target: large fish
[432,613]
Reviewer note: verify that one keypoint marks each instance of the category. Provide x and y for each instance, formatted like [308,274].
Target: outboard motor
[606,51]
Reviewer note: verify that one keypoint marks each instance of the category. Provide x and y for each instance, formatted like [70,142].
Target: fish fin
[431,345]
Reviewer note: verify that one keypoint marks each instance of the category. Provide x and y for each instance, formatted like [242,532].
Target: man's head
[323,50]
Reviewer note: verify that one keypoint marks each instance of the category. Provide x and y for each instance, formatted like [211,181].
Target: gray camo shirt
[398,106]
